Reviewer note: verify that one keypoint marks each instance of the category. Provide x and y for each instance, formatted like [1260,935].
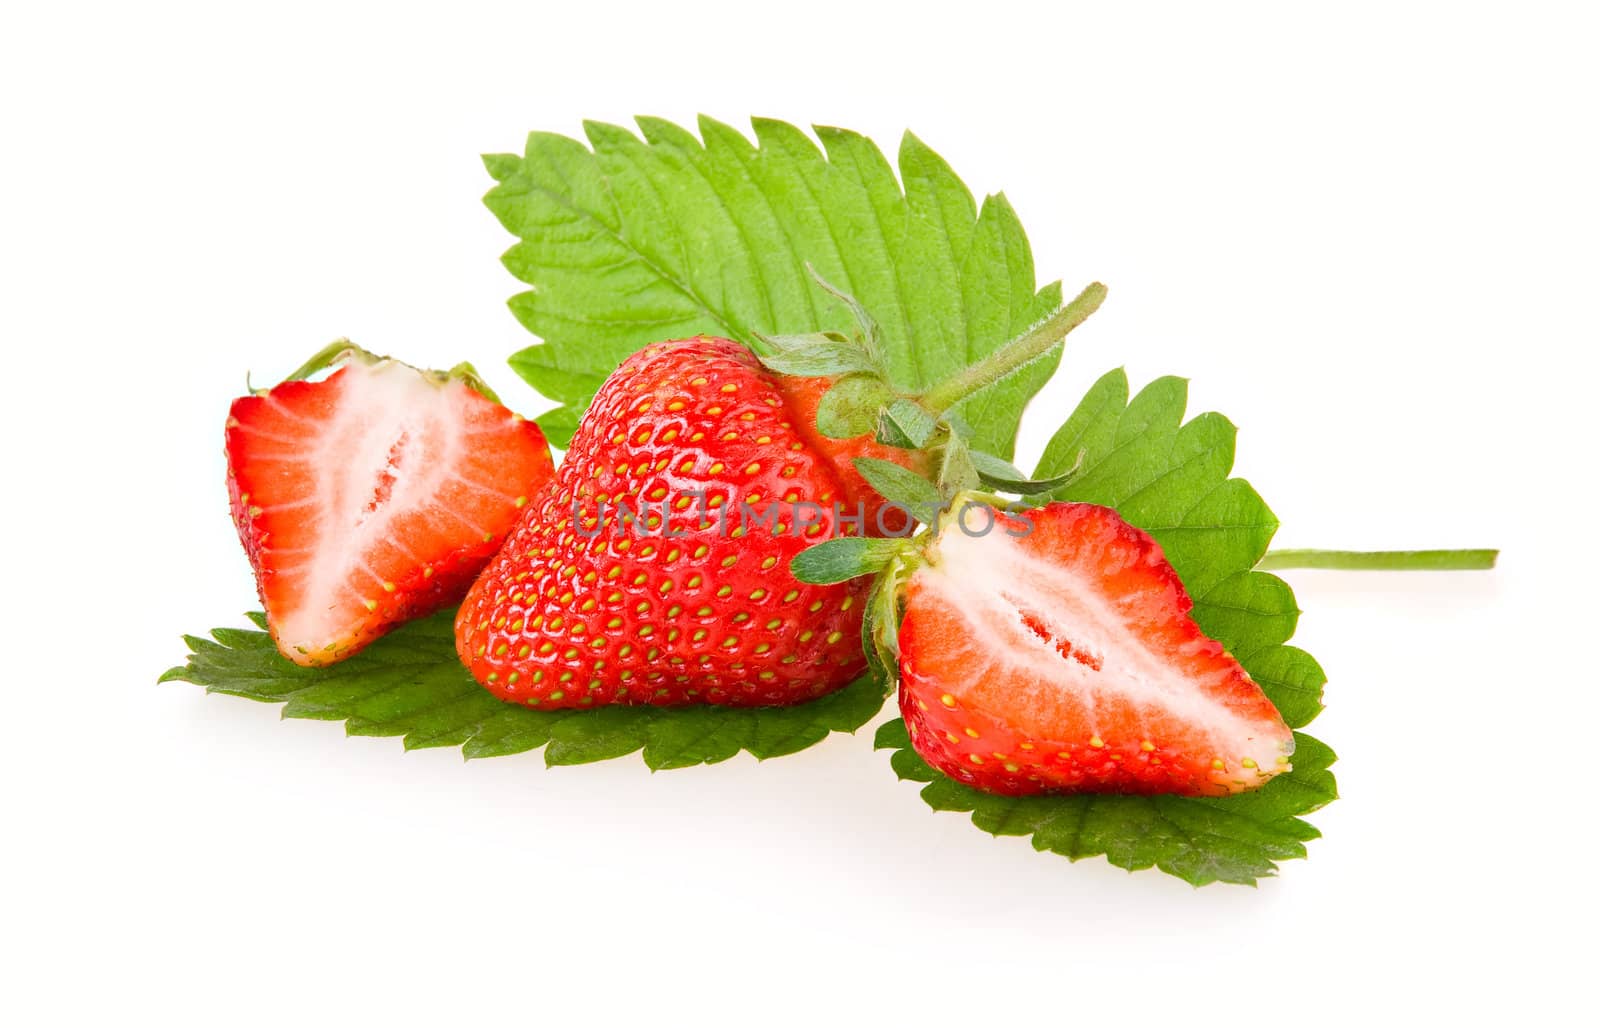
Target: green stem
[1031,345]
[1380,560]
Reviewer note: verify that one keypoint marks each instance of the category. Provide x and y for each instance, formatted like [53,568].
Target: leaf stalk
[1380,560]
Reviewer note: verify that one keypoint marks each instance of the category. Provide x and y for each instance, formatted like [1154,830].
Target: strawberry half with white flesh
[1055,653]
[372,496]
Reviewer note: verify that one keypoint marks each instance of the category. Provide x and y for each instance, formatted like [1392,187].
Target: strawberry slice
[372,496]
[1055,653]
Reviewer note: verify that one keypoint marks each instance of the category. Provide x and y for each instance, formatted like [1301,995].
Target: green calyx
[839,560]
[341,351]
[880,625]
[336,352]
[468,375]
[864,400]
[891,561]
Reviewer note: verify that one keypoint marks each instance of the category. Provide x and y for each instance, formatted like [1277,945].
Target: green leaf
[626,241]
[1171,479]
[1201,840]
[900,485]
[559,426]
[839,560]
[991,326]
[411,684]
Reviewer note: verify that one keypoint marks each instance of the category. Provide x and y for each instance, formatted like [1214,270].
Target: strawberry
[1055,653]
[696,604]
[372,496]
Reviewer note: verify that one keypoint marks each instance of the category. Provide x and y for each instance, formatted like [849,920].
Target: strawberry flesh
[372,497]
[1056,653]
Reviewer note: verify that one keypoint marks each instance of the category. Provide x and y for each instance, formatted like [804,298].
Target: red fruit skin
[989,736]
[586,612]
[265,485]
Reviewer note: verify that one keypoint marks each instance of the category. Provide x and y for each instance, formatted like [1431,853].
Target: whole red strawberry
[372,496]
[1055,653]
[655,567]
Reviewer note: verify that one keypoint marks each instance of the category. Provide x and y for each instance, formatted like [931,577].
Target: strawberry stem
[1380,560]
[1029,346]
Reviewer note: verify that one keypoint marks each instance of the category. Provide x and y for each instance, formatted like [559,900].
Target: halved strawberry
[1055,653]
[372,496]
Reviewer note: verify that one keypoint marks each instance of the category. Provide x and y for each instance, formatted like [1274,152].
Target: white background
[1367,235]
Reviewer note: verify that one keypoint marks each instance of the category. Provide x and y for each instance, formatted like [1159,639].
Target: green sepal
[341,350]
[851,407]
[839,560]
[880,626]
[957,473]
[468,375]
[1008,478]
[958,425]
[334,353]
[819,357]
[906,424]
[900,485]
[871,334]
